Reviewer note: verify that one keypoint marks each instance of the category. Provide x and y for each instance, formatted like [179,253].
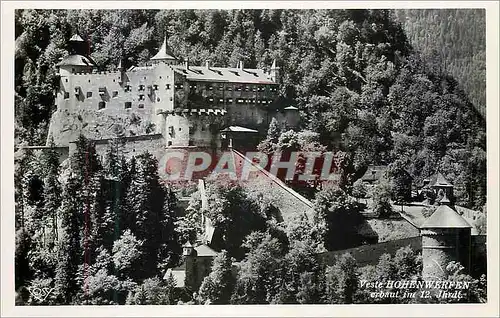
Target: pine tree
[70,250]
[342,281]
[145,199]
[217,287]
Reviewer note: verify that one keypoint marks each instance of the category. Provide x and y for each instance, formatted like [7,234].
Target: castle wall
[131,146]
[370,254]
[289,202]
[189,129]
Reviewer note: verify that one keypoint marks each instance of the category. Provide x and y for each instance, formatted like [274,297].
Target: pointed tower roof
[164,52]
[445,217]
[440,181]
[76,38]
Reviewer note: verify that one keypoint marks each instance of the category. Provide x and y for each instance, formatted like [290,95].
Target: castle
[181,104]
[170,104]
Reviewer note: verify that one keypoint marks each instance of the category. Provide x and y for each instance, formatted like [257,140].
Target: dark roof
[438,180]
[445,217]
[223,74]
[164,52]
[374,173]
[76,60]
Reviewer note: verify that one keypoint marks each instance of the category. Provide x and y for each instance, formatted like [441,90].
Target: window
[102,91]
[128,88]
[247,88]
[168,86]
[141,97]
[209,87]
[115,93]
[66,80]
[240,101]
[229,88]
[238,88]
[141,105]
[66,95]
[128,104]
[169,143]
[221,87]
[89,94]
[171,130]
[180,128]
[141,87]
[170,98]
[221,100]
[102,105]
[158,99]
[254,89]
[230,100]
[155,87]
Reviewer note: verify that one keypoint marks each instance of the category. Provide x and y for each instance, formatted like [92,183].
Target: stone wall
[370,254]
[289,202]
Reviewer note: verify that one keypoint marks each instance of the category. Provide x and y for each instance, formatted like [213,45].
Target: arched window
[102,105]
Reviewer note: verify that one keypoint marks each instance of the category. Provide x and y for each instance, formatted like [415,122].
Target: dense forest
[362,90]
[455,40]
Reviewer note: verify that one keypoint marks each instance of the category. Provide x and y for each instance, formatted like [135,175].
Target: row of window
[209,87]
[238,100]
[128,105]
[128,88]
[114,95]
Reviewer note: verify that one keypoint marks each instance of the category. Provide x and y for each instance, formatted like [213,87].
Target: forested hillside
[455,41]
[352,74]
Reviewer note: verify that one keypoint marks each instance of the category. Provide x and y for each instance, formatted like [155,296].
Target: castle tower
[164,55]
[446,237]
[275,72]
[440,184]
[77,61]
[189,254]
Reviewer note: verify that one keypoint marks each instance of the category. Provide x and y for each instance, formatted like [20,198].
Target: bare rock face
[66,126]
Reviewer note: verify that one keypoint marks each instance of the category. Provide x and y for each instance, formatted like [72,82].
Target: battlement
[188,112]
[96,72]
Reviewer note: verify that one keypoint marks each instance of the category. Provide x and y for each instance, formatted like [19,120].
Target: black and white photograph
[250,156]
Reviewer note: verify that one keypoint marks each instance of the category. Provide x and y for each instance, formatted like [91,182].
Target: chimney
[186,64]
[207,64]
[240,65]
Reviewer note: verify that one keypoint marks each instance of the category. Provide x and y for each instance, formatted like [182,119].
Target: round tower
[446,237]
